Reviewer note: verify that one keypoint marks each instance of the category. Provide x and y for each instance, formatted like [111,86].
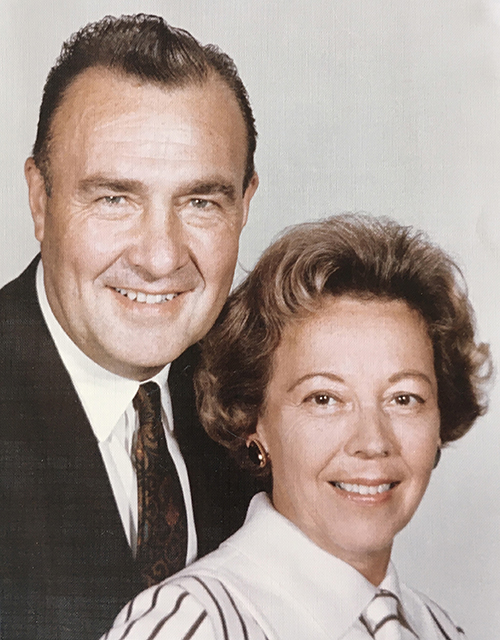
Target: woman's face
[351,424]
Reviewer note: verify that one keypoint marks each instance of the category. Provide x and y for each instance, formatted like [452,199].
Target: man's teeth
[147,298]
[363,489]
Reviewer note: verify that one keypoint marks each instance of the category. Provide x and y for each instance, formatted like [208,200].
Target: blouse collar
[289,570]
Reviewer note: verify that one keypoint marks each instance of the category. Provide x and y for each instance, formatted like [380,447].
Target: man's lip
[146,297]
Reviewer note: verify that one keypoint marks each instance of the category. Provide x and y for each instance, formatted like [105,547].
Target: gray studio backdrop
[361,105]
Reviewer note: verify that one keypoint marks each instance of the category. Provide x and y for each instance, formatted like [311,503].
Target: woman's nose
[372,434]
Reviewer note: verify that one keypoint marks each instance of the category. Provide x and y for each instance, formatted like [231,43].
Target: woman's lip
[369,482]
[365,488]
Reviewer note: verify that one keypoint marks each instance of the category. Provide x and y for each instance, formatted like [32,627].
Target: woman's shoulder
[431,616]
[193,606]
[167,610]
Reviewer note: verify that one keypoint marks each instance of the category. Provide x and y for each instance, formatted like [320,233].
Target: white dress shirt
[107,401]
[270,581]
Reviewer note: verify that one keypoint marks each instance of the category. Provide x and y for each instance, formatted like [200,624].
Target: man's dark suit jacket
[65,565]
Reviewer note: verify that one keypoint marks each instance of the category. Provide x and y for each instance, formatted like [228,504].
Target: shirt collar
[104,395]
[391,582]
[332,592]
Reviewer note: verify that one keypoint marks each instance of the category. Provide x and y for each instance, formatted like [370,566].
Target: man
[139,186]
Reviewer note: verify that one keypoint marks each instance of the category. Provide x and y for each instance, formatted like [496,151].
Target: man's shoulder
[22,327]
[18,298]
[29,362]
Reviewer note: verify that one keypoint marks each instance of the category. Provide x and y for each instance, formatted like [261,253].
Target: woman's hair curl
[350,254]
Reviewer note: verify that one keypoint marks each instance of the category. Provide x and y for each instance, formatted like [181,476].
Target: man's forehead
[108,104]
[130,129]
[102,87]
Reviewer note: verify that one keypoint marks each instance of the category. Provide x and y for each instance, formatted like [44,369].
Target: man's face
[139,237]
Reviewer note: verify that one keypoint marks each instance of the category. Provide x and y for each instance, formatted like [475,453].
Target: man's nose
[372,434]
[158,247]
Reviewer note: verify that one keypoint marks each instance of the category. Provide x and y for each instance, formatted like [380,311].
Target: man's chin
[137,359]
[135,371]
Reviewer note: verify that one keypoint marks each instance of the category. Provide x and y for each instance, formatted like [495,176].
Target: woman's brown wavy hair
[349,254]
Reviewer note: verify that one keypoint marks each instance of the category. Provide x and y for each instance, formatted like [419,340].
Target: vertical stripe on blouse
[189,608]
[444,621]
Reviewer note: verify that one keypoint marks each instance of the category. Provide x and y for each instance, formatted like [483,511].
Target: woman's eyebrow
[317,374]
[410,374]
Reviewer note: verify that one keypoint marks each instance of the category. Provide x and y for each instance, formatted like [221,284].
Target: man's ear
[248,195]
[37,197]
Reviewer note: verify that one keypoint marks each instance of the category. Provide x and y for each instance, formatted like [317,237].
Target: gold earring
[257,454]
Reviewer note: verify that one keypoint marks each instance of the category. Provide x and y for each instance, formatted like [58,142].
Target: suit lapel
[65,549]
[62,424]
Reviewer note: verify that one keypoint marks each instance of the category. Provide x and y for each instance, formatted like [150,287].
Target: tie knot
[384,604]
[384,617]
[147,402]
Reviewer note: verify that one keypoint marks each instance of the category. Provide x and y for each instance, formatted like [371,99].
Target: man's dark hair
[145,47]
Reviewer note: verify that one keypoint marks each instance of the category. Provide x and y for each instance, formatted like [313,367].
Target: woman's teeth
[147,298]
[363,489]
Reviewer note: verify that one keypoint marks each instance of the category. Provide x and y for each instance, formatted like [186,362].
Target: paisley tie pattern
[162,523]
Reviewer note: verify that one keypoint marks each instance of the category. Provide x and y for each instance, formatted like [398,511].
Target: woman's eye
[407,399]
[321,399]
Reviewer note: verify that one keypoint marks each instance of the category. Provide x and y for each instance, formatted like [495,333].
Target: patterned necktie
[384,619]
[162,523]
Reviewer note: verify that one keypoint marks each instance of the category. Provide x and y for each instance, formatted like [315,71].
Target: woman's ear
[261,434]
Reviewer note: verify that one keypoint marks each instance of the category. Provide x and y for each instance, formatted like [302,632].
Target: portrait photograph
[378,125]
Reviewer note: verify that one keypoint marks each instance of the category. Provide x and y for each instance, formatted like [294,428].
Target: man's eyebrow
[195,188]
[210,188]
[94,183]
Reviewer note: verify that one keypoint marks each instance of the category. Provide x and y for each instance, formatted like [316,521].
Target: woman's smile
[366,491]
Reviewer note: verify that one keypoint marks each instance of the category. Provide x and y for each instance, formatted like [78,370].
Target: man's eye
[200,203]
[114,199]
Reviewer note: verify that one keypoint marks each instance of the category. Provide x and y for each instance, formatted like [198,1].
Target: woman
[340,367]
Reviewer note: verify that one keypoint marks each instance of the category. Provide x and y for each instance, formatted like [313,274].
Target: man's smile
[146,298]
